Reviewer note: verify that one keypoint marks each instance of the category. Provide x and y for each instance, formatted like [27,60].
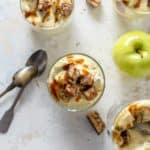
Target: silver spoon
[35,66]
[37,61]
[21,78]
[144,128]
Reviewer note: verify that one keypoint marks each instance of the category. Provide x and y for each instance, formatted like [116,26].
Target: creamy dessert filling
[124,133]
[76,81]
[47,13]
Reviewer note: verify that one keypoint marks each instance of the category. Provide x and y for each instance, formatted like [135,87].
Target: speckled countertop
[39,123]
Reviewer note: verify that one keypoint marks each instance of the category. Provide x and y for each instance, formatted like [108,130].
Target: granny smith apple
[132,53]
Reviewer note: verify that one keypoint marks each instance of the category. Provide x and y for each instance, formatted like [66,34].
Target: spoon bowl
[38,60]
[23,76]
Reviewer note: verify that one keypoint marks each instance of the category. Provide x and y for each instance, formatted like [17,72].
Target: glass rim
[121,106]
[48,27]
[135,13]
[98,98]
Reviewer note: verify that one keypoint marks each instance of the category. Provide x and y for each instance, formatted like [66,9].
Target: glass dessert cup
[121,122]
[54,20]
[78,101]
[124,10]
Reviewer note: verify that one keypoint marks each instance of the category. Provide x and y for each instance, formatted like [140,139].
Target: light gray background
[39,123]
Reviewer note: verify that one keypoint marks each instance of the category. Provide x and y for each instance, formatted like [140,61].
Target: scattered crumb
[30,136]
[108,132]
[84,9]
[37,83]
[147,78]
[77,44]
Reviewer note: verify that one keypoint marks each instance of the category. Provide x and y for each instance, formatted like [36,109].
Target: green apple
[132,53]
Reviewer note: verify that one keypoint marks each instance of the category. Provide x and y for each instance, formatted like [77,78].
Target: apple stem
[139,52]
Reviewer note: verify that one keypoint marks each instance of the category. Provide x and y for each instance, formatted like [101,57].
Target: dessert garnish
[132,3]
[96,121]
[73,83]
[66,9]
[132,8]
[43,5]
[135,4]
[46,12]
[76,81]
[94,3]
[125,133]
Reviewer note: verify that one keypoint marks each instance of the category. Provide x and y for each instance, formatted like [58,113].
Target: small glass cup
[53,29]
[76,106]
[114,112]
[128,12]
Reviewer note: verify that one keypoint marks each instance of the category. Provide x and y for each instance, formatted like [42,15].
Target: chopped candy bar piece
[96,121]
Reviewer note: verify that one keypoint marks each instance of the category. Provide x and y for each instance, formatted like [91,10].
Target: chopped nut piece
[70,90]
[137,5]
[94,3]
[61,78]
[73,73]
[126,138]
[126,2]
[87,80]
[43,5]
[65,98]
[96,121]
[66,9]
[90,94]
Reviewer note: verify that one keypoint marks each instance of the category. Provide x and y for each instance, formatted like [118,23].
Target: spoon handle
[9,88]
[9,114]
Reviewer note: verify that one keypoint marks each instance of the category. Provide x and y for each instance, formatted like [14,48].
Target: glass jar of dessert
[47,14]
[124,122]
[132,8]
[76,82]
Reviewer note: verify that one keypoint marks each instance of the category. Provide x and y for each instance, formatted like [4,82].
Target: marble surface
[39,123]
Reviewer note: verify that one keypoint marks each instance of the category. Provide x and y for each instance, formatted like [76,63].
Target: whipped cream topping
[125,136]
[47,13]
[89,81]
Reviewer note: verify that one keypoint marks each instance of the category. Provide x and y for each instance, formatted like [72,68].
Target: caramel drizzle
[37,3]
[126,2]
[54,88]
[47,14]
[148,3]
[137,5]
[57,10]
[30,13]
[33,12]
